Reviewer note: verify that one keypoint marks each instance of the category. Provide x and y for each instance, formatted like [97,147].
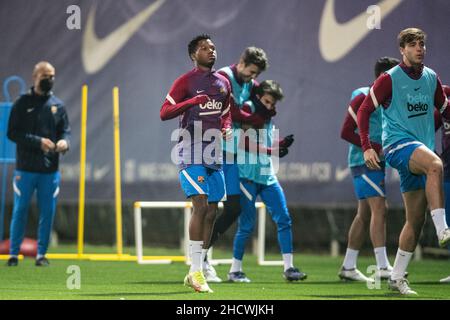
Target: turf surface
[128,280]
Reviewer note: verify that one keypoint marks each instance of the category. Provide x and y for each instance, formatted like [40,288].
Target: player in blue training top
[407,95]
[258,178]
[242,77]
[369,187]
[201,98]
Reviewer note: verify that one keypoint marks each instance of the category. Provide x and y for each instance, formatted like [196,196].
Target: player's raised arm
[175,103]
[239,115]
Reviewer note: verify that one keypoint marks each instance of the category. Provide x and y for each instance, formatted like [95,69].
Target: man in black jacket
[39,126]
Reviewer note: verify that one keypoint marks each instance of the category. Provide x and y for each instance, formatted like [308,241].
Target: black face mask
[46,85]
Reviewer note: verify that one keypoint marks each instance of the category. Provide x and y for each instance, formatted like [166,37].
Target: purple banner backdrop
[319,51]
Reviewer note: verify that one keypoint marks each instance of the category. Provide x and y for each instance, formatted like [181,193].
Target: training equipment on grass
[187,206]
[119,256]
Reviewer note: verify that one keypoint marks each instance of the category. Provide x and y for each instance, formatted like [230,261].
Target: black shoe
[42,262]
[12,262]
[294,274]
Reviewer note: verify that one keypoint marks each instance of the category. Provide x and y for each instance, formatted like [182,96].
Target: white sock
[195,248]
[438,216]
[350,259]
[288,259]
[400,264]
[14,256]
[205,258]
[236,265]
[381,257]
[40,256]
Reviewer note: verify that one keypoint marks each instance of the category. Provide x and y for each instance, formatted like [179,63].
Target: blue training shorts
[198,179]
[397,156]
[368,183]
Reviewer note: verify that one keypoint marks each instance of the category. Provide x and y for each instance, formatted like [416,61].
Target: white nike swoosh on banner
[337,39]
[341,174]
[96,53]
[100,173]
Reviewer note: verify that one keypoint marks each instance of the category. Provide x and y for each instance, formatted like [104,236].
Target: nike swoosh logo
[341,174]
[337,39]
[415,89]
[100,173]
[29,110]
[96,53]
[200,91]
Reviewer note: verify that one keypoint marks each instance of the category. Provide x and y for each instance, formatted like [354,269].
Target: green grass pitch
[128,280]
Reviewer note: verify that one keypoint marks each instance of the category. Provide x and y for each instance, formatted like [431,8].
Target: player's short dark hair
[270,87]
[409,35]
[192,46]
[384,64]
[256,56]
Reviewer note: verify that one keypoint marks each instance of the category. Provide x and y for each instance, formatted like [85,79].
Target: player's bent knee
[284,223]
[200,208]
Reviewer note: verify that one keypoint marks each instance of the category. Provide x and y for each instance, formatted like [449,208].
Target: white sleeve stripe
[226,110]
[352,113]
[444,105]
[374,99]
[168,97]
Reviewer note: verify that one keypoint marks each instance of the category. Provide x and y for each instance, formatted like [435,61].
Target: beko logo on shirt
[211,105]
[417,103]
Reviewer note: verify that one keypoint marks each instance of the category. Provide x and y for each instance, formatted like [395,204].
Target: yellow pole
[84,94]
[117,170]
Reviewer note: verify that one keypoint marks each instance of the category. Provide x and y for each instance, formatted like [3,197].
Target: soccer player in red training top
[368,186]
[201,98]
[408,94]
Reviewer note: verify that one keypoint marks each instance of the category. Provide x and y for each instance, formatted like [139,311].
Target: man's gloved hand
[283,152]
[287,141]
